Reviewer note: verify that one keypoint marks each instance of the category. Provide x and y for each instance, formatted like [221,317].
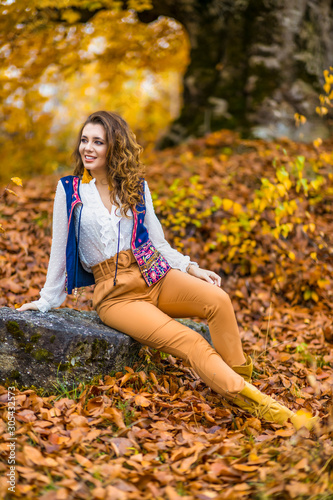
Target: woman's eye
[99,143]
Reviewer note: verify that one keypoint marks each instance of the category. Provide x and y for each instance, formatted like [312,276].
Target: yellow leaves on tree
[70,16]
[53,74]
[140,5]
[16,181]
[299,119]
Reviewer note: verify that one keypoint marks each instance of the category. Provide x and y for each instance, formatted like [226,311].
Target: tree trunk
[254,63]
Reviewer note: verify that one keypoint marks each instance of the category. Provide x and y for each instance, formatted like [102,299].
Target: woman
[105,231]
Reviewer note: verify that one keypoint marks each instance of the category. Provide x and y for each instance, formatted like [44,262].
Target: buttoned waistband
[106,269]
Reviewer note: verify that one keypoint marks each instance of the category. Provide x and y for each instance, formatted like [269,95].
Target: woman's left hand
[205,274]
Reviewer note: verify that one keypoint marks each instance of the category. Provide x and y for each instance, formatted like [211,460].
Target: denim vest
[152,264]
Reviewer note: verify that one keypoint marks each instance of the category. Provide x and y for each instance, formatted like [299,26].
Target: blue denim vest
[152,264]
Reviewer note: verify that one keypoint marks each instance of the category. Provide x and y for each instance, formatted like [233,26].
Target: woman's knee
[197,348]
[220,298]
[218,302]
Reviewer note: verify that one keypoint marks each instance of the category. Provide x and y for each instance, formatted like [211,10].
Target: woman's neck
[101,179]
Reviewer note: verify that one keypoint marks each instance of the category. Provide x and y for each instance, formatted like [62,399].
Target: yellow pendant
[86,178]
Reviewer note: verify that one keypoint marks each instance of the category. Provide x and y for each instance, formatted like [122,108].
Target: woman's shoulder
[69,182]
[66,185]
[68,178]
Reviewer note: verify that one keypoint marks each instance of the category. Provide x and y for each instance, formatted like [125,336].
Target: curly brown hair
[124,168]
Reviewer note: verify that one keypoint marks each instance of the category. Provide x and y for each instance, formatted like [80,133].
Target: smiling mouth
[89,158]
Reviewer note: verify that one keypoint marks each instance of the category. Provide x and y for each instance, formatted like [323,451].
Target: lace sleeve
[175,259]
[53,293]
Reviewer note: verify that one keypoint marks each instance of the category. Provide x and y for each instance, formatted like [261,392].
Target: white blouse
[98,239]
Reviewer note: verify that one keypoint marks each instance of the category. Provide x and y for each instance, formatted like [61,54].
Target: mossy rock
[64,345]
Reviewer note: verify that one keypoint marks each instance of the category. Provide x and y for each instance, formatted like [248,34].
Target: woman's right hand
[27,307]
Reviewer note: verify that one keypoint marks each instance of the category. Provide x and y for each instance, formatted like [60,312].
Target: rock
[65,344]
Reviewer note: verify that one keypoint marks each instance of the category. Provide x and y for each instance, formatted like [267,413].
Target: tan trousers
[145,313]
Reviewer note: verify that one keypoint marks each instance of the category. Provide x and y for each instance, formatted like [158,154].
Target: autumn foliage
[55,70]
[263,211]
[258,213]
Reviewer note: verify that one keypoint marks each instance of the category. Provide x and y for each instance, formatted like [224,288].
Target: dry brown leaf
[83,461]
[140,400]
[116,416]
[245,468]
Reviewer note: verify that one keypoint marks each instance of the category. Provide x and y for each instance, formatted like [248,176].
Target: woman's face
[93,148]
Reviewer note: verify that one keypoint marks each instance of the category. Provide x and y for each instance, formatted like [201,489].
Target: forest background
[246,189]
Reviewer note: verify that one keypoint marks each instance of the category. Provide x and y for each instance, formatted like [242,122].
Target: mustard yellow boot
[264,407]
[246,370]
